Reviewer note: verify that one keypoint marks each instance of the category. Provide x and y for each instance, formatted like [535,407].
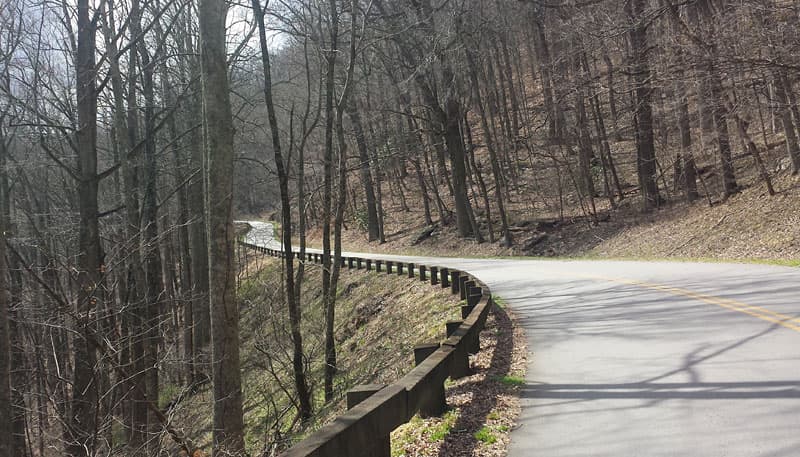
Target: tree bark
[645,146]
[373,228]
[228,431]
[292,299]
[330,343]
[490,146]
[785,114]
[82,424]
[6,405]
[152,253]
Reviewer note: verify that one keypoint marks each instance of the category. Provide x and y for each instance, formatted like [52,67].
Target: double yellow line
[784,320]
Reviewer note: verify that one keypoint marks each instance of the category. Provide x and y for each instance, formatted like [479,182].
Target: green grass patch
[430,431]
[485,435]
[500,302]
[440,430]
[511,380]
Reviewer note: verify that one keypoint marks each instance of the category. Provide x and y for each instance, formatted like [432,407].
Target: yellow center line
[756,311]
[784,320]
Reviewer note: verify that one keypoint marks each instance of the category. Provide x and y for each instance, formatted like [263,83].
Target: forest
[134,132]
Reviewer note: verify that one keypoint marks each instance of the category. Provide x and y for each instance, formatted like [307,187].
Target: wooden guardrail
[374,411]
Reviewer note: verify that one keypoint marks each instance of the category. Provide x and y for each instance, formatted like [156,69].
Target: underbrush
[378,320]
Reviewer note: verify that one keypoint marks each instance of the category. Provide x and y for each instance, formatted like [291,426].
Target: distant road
[648,358]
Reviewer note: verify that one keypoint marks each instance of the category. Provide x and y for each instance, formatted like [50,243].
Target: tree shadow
[473,416]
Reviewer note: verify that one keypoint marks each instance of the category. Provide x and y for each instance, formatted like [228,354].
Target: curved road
[648,358]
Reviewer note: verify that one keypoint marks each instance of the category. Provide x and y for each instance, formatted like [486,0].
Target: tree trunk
[785,114]
[645,146]
[455,147]
[720,115]
[82,424]
[152,254]
[228,431]
[481,182]
[612,99]
[330,76]
[198,238]
[688,168]
[292,299]
[366,175]
[543,54]
[6,405]
[490,146]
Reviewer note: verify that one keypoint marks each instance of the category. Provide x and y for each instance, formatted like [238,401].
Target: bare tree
[218,127]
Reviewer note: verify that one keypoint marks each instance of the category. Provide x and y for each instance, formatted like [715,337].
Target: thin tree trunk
[301,385]
[366,175]
[645,147]
[481,182]
[151,254]
[330,343]
[6,405]
[785,115]
[472,63]
[612,99]
[543,53]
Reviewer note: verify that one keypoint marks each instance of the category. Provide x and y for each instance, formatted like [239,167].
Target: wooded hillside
[132,132]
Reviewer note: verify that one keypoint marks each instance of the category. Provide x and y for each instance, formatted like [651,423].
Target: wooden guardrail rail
[374,411]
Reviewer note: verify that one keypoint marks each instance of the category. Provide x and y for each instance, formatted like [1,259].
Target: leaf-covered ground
[749,226]
[372,347]
[483,407]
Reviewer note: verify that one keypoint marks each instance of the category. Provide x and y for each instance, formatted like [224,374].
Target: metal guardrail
[374,411]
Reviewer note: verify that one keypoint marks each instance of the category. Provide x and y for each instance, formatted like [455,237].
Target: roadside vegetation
[369,352]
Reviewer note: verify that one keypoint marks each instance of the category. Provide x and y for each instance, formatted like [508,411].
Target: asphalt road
[648,358]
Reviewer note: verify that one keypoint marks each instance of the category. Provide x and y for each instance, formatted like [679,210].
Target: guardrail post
[474,345]
[434,276]
[454,281]
[369,264]
[378,266]
[399,268]
[474,296]
[460,366]
[382,446]
[436,404]
[422,270]
[444,273]
[358,263]
[452,326]
[350,263]
[464,285]
[389,265]
[410,270]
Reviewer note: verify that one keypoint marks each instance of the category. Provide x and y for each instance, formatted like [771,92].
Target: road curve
[647,358]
